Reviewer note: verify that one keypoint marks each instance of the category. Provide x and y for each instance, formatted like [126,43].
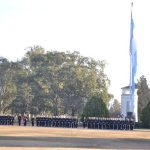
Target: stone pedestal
[126,108]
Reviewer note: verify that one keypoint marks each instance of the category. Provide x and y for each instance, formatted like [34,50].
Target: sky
[96,28]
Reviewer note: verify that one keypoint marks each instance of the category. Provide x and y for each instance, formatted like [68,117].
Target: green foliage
[95,107]
[7,85]
[115,109]
[145,116]
[143,94]
[52,82]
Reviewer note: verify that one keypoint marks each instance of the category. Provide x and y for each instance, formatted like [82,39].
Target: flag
[133,58]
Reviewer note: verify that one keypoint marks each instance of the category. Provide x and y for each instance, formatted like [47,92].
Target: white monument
[126,103]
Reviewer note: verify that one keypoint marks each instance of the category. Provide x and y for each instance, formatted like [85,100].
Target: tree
[85,76]
[115,108]
[52,82]
[143,94]
[145,116]
[95,107]
[66,80]
[46,69]
[7,86]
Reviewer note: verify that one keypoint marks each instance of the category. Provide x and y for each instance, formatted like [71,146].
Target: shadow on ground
[69,142]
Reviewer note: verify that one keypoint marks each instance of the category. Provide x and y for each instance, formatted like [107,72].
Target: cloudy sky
[96,28]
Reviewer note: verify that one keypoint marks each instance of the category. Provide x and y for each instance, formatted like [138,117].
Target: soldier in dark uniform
[19,119]
[131,122]
[32,120]
[25,120]
[12,120]
[84,123]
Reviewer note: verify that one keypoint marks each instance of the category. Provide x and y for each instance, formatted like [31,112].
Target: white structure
[126,103]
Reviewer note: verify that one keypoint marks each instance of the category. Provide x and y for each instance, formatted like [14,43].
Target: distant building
[126,109]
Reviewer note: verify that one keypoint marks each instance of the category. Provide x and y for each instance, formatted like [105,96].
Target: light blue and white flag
[133,58]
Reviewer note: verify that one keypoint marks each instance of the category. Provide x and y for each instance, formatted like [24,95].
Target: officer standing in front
[32,120]
[19,119]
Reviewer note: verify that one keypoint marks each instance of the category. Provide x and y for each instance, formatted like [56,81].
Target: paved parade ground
[45,138]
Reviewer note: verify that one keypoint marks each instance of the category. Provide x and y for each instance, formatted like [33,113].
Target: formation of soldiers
[57,122]
[90,123]
[109,123]
[6,120]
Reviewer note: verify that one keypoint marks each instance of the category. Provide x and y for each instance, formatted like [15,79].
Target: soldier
[32,120]
[19,119]
[25,120]
[12,120]
[131,123]
[84,122]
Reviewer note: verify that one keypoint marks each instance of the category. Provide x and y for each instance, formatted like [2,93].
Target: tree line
[58,83]
[51,82]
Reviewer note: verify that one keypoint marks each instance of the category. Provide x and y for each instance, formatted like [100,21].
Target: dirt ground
[46,138]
